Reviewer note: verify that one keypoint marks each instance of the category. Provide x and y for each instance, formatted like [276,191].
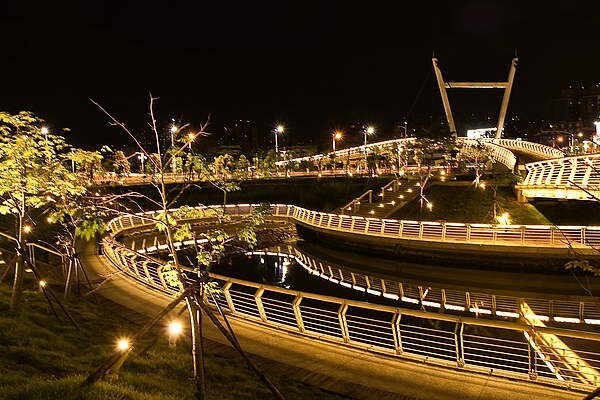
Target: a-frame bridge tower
[507,86]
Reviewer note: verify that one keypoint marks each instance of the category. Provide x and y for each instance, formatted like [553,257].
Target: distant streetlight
[173,130]
[335,136]
[279,129]
[142,157]
[367,132]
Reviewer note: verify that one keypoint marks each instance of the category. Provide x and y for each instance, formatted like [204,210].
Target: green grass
[45,358]
[471,205]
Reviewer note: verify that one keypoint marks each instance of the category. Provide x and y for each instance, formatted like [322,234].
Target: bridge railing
[581,171]
[430,231]
[535,148]
[489,346]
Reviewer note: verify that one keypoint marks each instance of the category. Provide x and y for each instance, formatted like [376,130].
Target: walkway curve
[355,324]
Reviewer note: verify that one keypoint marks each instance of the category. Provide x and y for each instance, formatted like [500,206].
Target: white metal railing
[538,236]
[352,150]
[498,153]
[499,347]
[434,298]
[581,171]
[538,149]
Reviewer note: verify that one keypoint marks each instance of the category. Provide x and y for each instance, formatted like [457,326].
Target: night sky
[312,66]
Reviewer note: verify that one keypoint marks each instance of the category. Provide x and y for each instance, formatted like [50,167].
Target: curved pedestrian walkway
[356,373]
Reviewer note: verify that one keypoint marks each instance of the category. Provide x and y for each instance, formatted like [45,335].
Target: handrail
[381,328]
[526,236]
[531,147]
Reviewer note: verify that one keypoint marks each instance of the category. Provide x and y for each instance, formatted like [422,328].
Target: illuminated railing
[442,299]
[537,149]
[487,346]
[498,153]
[534,236]
[571,173]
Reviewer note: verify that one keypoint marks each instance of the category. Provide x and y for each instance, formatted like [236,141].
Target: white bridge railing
[583,171]
[537,236]
[538,149]
[479,345]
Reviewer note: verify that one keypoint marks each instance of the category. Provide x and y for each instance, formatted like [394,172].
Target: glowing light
[174,128]
[442,172]
[45,130]
[430,206]
[175,328]
[337,135]
[27,228]
[503,219]
[123,344]
[401,196]
[482,186]
[409,190]
[43,283]
[191,136]
[560,139]
[580,134]
[372,212]
[49,220]
[280,129]
[370,130]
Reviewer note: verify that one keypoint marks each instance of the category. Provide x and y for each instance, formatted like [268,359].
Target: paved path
[356,373]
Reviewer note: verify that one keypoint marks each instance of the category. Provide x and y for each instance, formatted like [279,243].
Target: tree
[121,164]
[176,228]
[33,176]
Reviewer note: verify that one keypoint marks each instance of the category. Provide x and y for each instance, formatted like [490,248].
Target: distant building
[577,108]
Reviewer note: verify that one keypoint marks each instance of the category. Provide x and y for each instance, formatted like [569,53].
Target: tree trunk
[17,289]
[197,348]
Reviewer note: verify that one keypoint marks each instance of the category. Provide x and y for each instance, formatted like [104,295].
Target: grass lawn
[471,205]
[44,358]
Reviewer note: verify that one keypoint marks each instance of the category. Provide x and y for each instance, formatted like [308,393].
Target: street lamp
[279,129]
[45,132]
[173,130]
[337,135]
[175,329]
[368,131]
[142,157]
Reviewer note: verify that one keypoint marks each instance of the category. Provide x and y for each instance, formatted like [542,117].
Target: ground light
[27,228]
[175,329]
[123,344]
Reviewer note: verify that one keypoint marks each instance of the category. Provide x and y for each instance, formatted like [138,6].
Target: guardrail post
[228,298]
[396,331]
[583,235]
[298,312]
[343,323]
[532,356]
[161,277]
[259,303]
[458,341]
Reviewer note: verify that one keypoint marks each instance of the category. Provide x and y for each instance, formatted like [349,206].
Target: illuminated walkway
[360,373]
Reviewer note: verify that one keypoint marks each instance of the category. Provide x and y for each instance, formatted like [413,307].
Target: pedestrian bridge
[555,176]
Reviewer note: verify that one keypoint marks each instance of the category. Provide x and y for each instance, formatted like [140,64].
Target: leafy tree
[176,228]
[33,176]
[121,164]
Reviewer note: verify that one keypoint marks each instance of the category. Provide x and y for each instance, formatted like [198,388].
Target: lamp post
[277,131]
[142,157]
[173,130]
[334,137]
[45,132]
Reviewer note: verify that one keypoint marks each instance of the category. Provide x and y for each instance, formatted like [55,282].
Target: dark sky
[311,65]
